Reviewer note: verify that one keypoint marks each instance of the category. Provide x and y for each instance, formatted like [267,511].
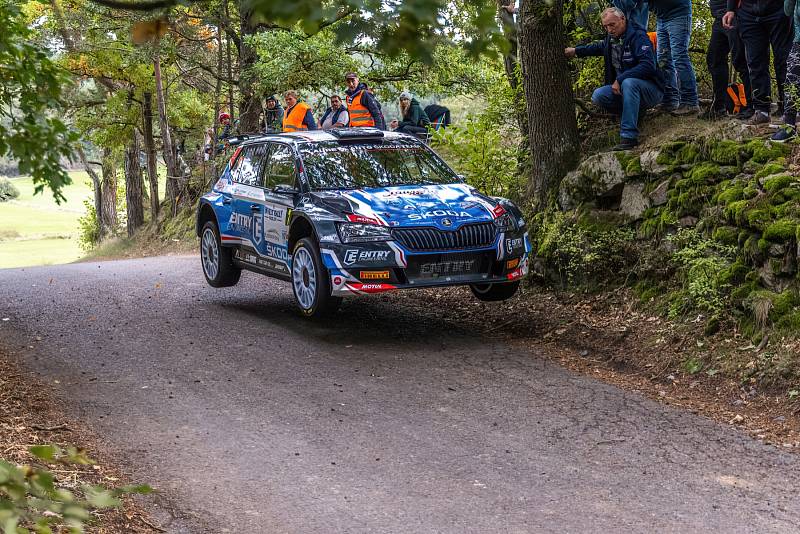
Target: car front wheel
[494,292]
[311,281]
[218,266]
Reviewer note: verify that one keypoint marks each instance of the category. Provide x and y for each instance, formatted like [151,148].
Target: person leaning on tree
[762,24]
[363,108]
[633,83]
[298,115]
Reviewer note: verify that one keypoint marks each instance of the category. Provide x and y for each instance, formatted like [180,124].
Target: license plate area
[448,266]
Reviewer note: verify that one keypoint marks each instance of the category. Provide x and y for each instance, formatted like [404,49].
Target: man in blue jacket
[633,83]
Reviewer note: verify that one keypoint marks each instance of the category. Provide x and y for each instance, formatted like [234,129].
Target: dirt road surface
[386,418]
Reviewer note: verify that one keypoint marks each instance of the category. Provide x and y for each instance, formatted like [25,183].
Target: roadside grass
[34,230]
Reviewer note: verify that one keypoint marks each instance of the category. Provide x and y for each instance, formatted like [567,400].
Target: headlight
[354,232]
[505,223]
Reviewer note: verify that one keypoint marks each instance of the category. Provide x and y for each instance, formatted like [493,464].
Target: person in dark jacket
[636,11]
[335,116]
[361,104]
[762,24]
[724,44]
[415,120]
[792,89]
[273,115]
[633,83]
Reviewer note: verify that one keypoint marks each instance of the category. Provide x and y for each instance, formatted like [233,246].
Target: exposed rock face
[650,164]
[598,176]
[658,197]
[634,202]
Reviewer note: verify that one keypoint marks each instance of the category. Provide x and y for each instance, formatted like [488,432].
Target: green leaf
[45,452]
[100,497]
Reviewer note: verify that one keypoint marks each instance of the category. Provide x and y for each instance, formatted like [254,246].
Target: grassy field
[34,230]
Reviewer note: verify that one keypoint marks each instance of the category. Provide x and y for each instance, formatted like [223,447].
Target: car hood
[444,206]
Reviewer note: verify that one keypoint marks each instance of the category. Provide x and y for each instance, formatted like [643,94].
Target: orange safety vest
[359,114]
[739,100]
[653,39]
[293,117]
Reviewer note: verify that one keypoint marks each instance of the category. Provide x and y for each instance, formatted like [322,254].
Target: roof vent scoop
[345,134]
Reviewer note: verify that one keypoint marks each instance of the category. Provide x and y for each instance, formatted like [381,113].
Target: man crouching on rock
[634,82]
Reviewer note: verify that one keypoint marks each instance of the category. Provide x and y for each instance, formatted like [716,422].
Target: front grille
[468,236]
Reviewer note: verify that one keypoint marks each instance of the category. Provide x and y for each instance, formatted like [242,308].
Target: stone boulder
[634,201]
[650,165]
[658,196]
[601,175]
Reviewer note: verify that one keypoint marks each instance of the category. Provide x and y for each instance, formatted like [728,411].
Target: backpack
[736,99]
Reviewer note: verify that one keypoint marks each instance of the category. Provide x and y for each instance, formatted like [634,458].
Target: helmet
[223,116]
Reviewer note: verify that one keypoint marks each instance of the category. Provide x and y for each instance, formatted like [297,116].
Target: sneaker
[759,117]
[666,108]
[685,109]
[786,133]
[745,114]
[626,144]
[712,114]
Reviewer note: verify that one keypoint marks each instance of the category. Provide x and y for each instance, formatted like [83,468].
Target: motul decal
[371,288]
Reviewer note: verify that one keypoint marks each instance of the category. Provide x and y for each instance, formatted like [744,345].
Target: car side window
[250,165]
[281,168]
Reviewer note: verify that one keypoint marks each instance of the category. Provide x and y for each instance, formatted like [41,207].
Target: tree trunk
[133,186]
[108,208]
[512,67]
[250,105]
[166,138]
[552,126]
[98,199]
[150,149]
[231,105]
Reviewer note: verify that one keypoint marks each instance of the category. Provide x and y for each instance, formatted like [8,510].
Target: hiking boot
[686,109]
[626,144]
[712,114]
[758,118]
[666,108]
[745,114]
[786,133]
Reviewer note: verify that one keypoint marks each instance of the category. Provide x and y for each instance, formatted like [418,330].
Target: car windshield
[331,165]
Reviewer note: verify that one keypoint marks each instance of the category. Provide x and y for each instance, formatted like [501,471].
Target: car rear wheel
[494,292]
[218,266]
[311,281]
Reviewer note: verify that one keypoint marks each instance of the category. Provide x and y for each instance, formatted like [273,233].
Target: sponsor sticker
[374,275]
[365,256]
[425,215]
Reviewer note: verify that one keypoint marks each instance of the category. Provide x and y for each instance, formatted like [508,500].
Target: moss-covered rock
[759,218]
[725,152]
[764,151]
[668,153]
[781,230]
[735,211]
[704,173]
[733,275]
[728,235]
[775,183]
[770,168]
[731,193]
[630,162]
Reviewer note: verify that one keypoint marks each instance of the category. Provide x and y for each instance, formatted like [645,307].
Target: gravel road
[385,418]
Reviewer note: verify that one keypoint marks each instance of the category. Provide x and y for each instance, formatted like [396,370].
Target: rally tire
[311,282]
[494,292]
[217,261]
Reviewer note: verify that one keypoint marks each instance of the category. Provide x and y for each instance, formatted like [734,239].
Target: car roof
[316,136]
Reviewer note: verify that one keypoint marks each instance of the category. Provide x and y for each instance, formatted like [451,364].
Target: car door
[245,225]
[280,193]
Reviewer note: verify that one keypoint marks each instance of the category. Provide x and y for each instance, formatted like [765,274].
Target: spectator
[439,115]
[792,91]
[224,132]
[674,29]
[371,91]
[725,43]
[636,11]
[273,115]
[415,120]
[298,115]
[335,116]
[762,23]
[362,106]
[633,83]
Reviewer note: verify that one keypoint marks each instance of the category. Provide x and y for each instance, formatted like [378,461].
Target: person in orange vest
[363,108]
[297,116]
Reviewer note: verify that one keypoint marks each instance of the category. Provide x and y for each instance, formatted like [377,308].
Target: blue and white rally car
[356,211]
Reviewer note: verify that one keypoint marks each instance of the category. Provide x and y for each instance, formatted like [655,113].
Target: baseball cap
[350,75]
[406,95]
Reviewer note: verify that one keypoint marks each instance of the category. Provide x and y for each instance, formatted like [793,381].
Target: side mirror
[462,177]
[284,189]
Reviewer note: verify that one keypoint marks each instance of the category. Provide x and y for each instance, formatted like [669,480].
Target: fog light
[374,275]
[511,264]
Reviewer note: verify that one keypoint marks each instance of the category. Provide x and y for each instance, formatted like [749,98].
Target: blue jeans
[673,55]
[637,96]
[638,14]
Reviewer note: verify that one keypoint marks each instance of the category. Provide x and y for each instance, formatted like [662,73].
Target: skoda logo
[447,222]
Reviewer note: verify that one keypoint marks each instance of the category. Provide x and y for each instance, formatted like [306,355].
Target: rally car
[356,211]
